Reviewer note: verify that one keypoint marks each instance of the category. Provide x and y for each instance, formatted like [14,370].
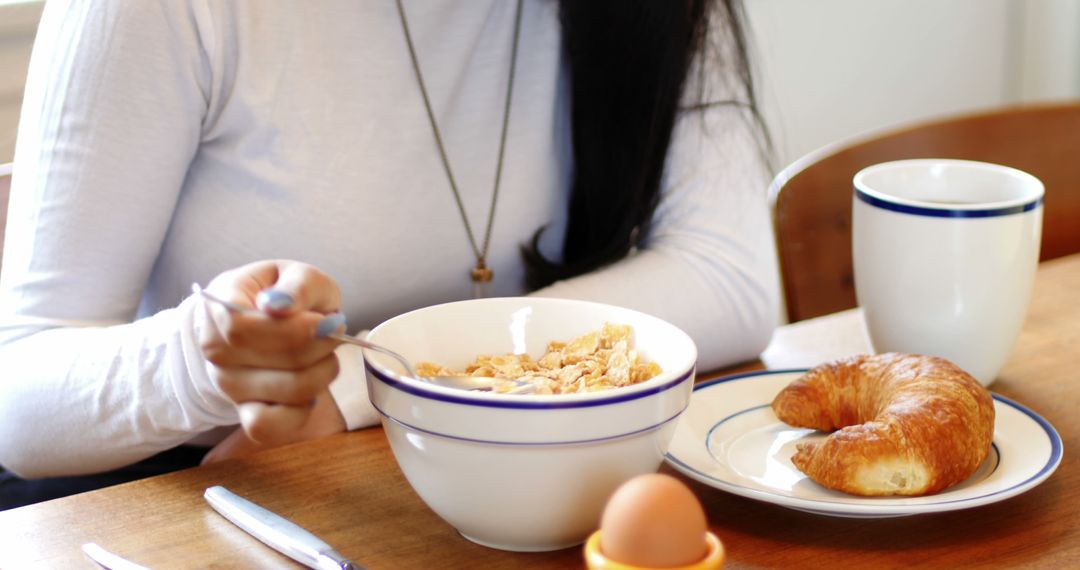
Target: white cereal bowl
[524,472]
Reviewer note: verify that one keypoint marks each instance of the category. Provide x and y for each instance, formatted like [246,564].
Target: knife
[107,559]
[276,531]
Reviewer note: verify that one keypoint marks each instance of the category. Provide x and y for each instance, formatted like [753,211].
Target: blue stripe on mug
[947,212]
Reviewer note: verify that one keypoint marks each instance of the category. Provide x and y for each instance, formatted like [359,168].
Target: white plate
[730,439]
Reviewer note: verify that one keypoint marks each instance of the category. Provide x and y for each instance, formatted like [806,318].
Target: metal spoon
[328,329]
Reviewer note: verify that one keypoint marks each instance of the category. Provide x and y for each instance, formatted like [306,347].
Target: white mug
[945,253]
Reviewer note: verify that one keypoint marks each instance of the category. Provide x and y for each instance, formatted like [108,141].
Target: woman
[596,150]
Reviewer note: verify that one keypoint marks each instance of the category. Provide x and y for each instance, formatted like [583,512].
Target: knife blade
[276,531]
[107,559]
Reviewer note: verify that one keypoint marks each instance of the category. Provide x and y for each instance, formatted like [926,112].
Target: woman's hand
[271,363]
[325,420]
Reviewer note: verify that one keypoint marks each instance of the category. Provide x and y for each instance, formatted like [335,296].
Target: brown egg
[653,521]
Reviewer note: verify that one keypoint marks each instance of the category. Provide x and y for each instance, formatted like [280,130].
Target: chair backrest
[812,197]
[5,191]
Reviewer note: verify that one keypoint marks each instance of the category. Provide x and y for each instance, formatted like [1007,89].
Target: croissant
[908,424]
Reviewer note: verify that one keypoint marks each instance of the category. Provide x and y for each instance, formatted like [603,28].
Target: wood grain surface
[349,490]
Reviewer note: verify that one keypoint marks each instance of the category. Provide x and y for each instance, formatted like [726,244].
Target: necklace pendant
[481,278]
[482,274]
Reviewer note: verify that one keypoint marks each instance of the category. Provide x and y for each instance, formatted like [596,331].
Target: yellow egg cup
[595,560]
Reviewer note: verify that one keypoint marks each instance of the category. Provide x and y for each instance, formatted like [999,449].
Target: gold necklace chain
[481,274]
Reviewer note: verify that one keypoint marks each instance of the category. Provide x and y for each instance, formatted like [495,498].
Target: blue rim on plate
[698,467]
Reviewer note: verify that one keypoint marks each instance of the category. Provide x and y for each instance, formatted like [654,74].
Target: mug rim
[1031,197]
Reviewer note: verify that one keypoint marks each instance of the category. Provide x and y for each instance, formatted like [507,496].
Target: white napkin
[808,343]
[349,389]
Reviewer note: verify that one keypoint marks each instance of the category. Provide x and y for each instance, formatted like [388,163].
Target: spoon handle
[323,331]
[365,344]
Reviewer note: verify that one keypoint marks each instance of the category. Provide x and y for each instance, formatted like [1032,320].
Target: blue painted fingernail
[329,324]
[273,299]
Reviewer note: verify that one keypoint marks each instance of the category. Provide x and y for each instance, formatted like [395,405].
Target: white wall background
[828,69]
[832,69]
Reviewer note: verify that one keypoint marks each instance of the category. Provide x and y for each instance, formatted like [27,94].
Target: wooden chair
[5,191]
[812,198]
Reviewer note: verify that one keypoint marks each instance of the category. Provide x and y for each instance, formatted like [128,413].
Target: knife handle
[276,531]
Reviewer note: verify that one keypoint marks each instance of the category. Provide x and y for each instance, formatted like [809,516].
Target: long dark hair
[628,62]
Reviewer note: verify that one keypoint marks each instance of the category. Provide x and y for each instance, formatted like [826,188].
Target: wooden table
[349,490]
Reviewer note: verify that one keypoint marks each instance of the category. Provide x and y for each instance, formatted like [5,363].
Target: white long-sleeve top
[162,143]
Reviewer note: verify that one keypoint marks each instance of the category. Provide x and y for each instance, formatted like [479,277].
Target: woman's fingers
[278,287]
[283,345]
[268,356]
[299,287]
[237,444]
[291,387]
[242,285]
[273,424]
[289,302]
[325,419]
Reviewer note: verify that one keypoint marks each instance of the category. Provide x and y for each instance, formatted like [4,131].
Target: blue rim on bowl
[514,401]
